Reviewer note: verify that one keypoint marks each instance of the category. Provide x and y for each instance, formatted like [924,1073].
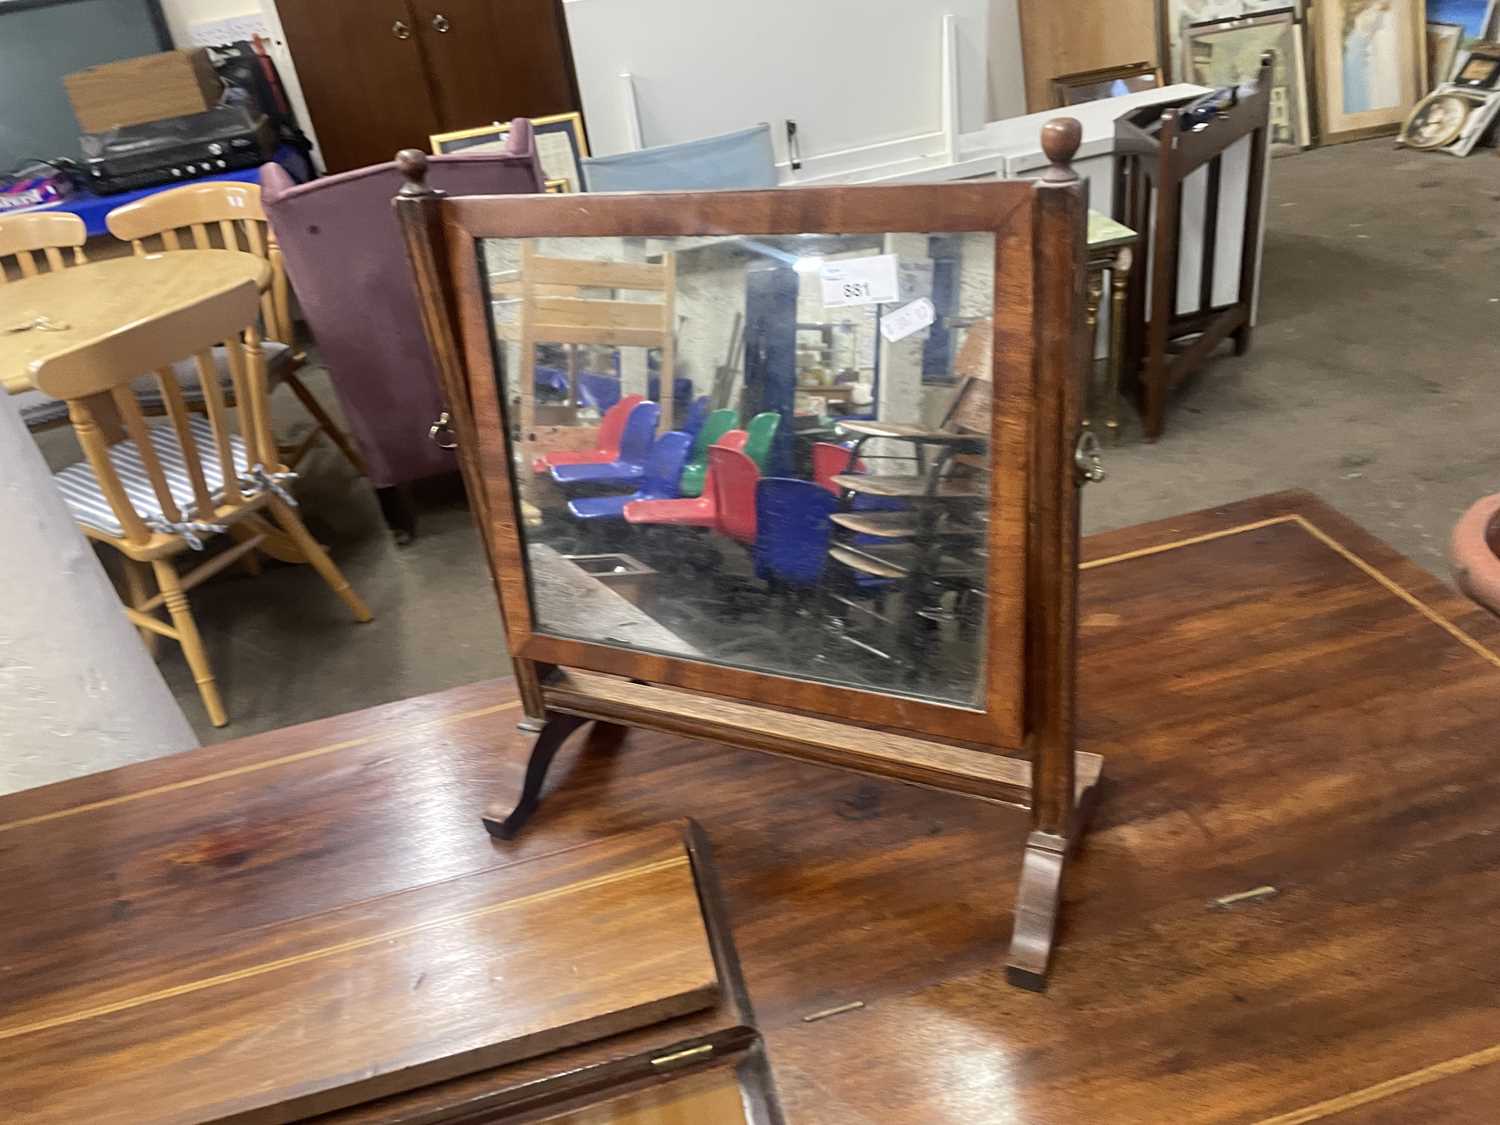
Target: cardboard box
[148,88]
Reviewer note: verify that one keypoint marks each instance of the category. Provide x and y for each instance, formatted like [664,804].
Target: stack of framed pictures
[1452,26]
[1344,69]
[1457,114]
[1227,52]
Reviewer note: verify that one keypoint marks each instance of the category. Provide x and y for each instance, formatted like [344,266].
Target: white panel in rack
[231,29]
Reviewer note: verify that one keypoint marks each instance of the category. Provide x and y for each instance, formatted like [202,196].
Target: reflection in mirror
[769,452]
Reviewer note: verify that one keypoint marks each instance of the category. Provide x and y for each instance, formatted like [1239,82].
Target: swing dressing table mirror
[849,537]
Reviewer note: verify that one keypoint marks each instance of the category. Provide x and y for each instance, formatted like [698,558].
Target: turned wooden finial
[412,164]
[1060,140]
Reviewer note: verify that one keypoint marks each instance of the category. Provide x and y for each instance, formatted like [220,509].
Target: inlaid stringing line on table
[1460,1064]
[1328,541]
[252,767]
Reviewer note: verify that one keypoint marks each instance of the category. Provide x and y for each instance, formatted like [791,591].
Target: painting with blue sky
[1472,15]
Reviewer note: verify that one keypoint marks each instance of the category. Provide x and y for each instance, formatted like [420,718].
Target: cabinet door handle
[440,22]
[442,425]
[400,30]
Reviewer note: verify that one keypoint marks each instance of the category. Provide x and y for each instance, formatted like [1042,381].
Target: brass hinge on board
[683,1057]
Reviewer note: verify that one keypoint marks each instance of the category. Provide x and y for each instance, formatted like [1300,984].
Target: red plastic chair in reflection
[611,429]
[828,461]
[735,476]
[696,511]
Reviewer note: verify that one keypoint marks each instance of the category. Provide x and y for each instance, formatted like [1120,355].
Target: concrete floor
[1370,382]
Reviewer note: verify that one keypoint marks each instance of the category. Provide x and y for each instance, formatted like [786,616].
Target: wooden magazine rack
[1015,744]
[1170,335]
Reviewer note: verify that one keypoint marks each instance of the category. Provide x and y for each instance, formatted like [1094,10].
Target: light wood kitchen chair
[49,233]
[224,215]
[22,238]
[154,492]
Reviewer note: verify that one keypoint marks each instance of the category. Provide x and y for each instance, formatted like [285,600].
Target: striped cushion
[85,499]
[40,411]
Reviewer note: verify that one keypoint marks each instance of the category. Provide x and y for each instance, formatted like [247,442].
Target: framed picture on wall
[1443,42]
[1228,52]
[1174,17]
[1474,18]
[1481,70]
[1372,65]
[561,145]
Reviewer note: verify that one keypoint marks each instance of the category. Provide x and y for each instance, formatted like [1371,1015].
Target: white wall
[182,14]
[851,73]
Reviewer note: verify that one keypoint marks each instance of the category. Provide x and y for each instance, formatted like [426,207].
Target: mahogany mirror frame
[1016,745]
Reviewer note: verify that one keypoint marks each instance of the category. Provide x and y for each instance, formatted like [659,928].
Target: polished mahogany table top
[1285,703]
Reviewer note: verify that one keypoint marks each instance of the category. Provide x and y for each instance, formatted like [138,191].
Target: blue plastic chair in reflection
[551,381]
[682,392]
[663,468]
[598,391]
[696,415]
[635,447]
[792,531]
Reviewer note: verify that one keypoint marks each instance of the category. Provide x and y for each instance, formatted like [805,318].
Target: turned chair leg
[296,530]
[187,636]
[137,593]
[326,423]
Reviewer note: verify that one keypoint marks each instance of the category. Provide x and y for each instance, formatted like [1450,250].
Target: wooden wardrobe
[383,75]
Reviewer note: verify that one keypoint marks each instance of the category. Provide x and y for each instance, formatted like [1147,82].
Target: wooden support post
[1052,579]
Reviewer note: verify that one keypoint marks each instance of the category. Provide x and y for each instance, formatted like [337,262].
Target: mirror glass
[769,452]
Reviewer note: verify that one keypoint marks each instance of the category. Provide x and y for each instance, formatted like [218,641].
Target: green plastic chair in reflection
[715,426]
[762,432]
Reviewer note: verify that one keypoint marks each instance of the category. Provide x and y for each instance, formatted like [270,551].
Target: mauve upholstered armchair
[347,265]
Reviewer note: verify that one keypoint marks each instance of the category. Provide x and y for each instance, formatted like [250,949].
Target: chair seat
[544,464]
[600,507]
[39,411]
[608,472]
[85,498]
[697,512]
[692,477]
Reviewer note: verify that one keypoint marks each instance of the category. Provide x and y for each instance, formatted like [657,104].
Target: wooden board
[976,772]
[885,525]
[145,88]
[913,488]
[372,998]
[1283,700]
[1061,37]
[911,433]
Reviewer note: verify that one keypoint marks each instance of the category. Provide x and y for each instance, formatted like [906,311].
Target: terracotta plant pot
[1474,552]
